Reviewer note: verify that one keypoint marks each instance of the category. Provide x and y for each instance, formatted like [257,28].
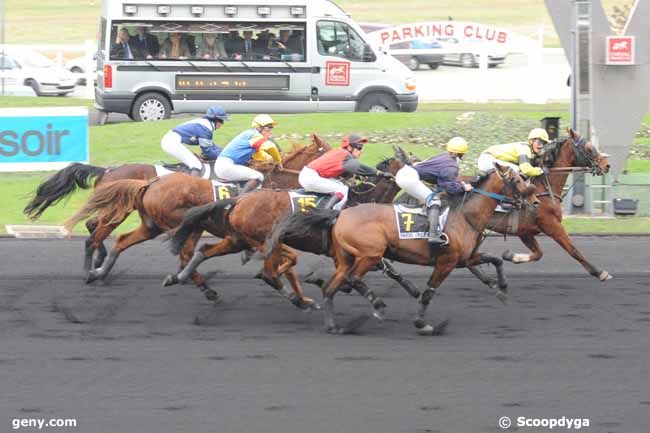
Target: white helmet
[262,120]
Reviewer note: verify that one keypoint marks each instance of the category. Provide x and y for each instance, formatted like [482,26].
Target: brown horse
[357,251]
[76,176]
[162,202]
[249,219]
[561,159]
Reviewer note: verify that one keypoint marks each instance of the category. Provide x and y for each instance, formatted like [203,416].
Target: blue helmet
[216,113]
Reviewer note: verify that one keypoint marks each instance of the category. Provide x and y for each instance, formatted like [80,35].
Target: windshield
[35,60]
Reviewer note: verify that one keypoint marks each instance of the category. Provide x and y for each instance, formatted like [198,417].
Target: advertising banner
[34,139]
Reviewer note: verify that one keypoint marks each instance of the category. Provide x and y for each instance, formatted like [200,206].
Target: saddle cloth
[301,201]
[412,221]
[224,190]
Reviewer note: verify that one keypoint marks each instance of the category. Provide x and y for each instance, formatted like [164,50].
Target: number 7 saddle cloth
[412,222]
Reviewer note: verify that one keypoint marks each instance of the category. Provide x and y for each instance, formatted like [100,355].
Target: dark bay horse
[161,204]
[362,235]
[249,219]
[65,182]
[569,152]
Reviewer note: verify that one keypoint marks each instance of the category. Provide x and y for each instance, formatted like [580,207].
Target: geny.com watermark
[550,423]
[17,423]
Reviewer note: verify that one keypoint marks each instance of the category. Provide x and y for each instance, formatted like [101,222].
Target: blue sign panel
[42,138]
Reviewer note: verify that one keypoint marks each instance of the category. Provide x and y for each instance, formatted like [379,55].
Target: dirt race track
[132,357]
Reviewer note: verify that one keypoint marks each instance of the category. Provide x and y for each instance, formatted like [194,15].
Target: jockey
[230,165]
[318,175]
[441,170]
[516,155]
[195,132]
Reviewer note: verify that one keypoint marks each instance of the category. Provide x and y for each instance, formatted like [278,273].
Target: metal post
[3,16]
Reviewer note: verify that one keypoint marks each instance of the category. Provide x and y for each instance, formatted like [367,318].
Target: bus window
[212,41]
[340,40]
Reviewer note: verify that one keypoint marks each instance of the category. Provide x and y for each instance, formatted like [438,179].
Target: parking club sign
[42,138]
[620,50]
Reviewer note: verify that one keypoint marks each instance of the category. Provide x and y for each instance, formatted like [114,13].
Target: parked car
[35,70]
[78,66]
[413,61]
[468,55]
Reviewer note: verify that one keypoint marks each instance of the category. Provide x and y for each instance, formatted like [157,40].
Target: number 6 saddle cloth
[412,222]
[223,190]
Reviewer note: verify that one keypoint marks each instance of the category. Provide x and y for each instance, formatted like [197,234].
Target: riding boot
[331,202]
[435,231]
[195,172]
[251,185]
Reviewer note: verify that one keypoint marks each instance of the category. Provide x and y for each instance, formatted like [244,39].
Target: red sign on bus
[620,50]
[337,73]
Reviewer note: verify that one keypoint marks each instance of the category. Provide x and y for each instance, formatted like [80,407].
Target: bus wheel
[378,102]
[150,107]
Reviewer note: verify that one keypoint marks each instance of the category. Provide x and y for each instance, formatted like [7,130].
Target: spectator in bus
[174,47]
[296,42]
[280,45]
[249,47]
[147,43]
[212,47]
[190,40]
[263,41]
[234,44]
[125,47]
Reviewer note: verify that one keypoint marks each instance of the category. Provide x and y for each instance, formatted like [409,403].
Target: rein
[498,197]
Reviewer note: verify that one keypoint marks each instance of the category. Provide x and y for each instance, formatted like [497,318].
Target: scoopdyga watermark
[549,423]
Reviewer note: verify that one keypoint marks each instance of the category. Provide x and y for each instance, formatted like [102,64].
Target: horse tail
[113,202]
[61,185]
[195,217]
[298,225]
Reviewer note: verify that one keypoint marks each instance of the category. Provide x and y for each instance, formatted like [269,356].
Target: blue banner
[42,138]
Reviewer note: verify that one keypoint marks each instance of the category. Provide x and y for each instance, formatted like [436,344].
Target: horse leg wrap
[427,296]
[194,262]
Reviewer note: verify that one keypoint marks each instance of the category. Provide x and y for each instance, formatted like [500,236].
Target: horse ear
[401,154]
[571,132]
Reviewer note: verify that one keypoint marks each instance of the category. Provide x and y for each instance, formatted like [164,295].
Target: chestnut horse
[249,219]
[162,202]
[76,176]
[356,250]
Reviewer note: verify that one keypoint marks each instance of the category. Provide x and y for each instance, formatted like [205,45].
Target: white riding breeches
[486,163]
[226,169]
[171,144]
[408,179]
[312,181]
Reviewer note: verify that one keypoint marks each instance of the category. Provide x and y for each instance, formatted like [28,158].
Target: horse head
[301,156]
[515,186]
[574,150]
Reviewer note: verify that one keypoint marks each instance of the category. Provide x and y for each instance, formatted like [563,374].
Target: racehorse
[162,202]
[561,158]
[250,218]
[361,236]
[79,176]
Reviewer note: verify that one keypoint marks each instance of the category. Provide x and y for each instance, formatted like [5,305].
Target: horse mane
[551,152]
[383,164]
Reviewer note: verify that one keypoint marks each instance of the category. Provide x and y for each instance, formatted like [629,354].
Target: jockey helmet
[262,120]
[538,133]
[457,145]
[353,141]
[216,113]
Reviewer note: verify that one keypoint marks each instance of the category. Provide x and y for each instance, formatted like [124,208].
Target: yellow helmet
[457,145]
[262,120]
[538,133]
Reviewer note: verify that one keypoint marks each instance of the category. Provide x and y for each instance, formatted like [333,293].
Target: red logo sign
[337,73]
[620,50]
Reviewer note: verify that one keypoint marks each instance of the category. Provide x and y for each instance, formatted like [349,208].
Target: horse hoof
[492,284]
[170,280]
[434,331]
[211,295]
[425,330]
[507,255]
[379,313]
[604,276]
[314,306]
[419,323]
[502,296]
[91,276]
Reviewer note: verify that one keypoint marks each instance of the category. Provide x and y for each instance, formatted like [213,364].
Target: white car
[32,69]
[78,66]
[468,54]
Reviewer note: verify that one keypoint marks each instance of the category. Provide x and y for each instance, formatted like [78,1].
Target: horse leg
[186,254]
[141,234]
[441,271]
[339,277]
[97,237]
[281,262]
[226,246]
[561,237]
[482,258]
[359,269]
[91,226]
[387,268]
[532,245]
